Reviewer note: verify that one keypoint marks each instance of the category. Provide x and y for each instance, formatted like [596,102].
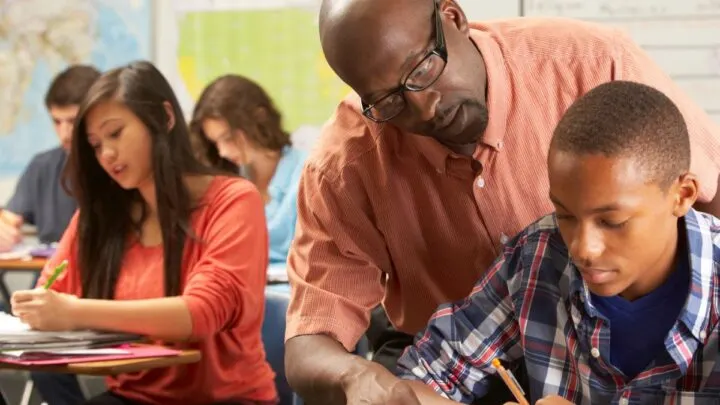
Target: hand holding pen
[43,308]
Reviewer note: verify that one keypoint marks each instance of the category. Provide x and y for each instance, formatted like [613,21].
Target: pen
[56,273]
[511,382]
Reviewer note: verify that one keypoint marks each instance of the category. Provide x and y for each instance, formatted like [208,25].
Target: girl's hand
[43,309]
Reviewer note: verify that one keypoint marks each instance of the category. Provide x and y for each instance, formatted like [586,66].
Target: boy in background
[39,198]
[613,299]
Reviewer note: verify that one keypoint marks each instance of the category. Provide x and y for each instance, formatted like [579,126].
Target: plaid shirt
[533,306]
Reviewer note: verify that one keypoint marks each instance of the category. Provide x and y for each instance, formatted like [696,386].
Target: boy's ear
[686,193]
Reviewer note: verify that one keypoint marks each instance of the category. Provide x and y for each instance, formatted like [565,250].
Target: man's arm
[329,372]
[334,271]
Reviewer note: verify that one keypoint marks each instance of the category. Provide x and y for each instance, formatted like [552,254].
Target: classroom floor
[13,383]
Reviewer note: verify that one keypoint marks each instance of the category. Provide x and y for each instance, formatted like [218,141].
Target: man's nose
[423,103]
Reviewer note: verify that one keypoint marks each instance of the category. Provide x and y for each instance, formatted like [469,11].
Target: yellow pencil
[511,382]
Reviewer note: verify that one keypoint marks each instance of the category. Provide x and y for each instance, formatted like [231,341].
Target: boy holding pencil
[614,298]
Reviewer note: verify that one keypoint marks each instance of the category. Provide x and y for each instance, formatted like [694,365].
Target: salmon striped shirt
[387,216]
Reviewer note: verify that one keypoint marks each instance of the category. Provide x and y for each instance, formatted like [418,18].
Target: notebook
[15,335]
[59,357]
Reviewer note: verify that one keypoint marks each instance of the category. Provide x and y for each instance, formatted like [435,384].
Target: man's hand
[322,372]
[375,385]
[10,234]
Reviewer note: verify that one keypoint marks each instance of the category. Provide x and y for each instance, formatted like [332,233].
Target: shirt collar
[498,95]
[696,315]
[702,233]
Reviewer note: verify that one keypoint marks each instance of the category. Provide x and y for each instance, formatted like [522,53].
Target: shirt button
[595,352]
[480,182]
[624,401]
[703,335]
[504,238]
[439,170]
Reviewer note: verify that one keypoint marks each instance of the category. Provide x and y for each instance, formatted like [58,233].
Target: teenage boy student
[39,198]
[614,298]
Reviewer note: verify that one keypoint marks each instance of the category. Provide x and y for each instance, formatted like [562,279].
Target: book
[60,357]
[16,335]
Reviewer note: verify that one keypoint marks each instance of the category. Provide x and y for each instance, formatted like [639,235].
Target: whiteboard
[682,36]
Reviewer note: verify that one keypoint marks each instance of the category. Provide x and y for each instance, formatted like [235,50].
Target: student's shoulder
[347,140]
[47,158]
[707,227]
[552,37]
[539,244]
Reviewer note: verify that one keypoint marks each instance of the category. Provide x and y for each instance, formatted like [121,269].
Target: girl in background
[240,130]
[161,246]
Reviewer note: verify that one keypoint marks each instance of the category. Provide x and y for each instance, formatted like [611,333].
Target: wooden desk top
[36,263]
[114,367]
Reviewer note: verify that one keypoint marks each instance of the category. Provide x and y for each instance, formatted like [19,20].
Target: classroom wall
[165,44]
[164,55]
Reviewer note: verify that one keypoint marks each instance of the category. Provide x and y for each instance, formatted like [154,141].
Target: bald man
[423,174]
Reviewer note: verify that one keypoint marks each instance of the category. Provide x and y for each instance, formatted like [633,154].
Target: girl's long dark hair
[105,221]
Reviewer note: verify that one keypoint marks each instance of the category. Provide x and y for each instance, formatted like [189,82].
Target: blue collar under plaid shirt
[533,306]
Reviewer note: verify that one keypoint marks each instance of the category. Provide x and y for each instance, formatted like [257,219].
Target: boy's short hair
[70,86]
[627,119]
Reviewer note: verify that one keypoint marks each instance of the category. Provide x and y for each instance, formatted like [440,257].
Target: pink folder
[135,352]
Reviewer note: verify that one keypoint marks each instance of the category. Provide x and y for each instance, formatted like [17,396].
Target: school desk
[113,367]
[103,368]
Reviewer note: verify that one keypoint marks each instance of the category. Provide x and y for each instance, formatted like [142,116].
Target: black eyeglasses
[422,76]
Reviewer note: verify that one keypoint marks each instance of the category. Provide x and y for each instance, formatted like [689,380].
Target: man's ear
[171,115]
[686,191]
[451,12]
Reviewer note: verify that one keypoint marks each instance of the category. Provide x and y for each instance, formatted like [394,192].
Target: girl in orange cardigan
[161,246]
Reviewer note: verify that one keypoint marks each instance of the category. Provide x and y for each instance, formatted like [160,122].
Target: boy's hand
[549,400]
[553,400]
[10,234]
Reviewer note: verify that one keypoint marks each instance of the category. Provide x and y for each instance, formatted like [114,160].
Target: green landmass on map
[279,49]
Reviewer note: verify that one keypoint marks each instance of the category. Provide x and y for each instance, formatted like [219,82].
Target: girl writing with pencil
[237,128]
[160,246]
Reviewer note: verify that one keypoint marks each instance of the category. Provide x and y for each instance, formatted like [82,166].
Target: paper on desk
[277,273]
[68,352]
[10,325]
[132,352]
[15,335]
[17,254]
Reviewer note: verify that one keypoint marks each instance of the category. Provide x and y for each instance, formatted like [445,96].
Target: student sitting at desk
[613,299]
[39,198]
[161,246]
[239,128]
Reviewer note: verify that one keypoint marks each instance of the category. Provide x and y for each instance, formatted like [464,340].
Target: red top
[223,285]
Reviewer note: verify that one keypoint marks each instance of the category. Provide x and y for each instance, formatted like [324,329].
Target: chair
[273,335]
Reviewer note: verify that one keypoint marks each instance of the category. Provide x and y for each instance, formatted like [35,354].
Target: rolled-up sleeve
[335,263]
[634,64]
[226,285]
